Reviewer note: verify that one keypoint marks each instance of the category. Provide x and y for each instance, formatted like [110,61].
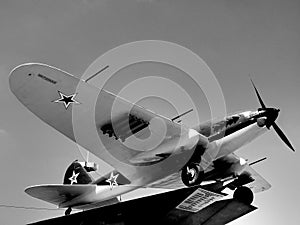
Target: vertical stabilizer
[77,174]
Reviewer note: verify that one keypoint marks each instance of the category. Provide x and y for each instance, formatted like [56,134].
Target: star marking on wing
[112,180]
[73,178]
[66,99]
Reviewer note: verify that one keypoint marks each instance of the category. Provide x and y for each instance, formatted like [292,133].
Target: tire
[68,211]
[243,194]
[191,174]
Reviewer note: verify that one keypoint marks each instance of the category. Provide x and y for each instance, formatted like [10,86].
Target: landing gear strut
[243,194]
[192,174]
[68,211]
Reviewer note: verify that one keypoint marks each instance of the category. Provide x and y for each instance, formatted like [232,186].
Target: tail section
[77,174]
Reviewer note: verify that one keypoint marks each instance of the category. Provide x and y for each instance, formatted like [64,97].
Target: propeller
[273,113]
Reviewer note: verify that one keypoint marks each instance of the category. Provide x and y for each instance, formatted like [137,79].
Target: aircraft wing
[98,120]
[255,181]
[258,184]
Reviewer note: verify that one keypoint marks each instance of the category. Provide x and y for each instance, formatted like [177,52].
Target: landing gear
[192,174]
[68,211]
[243,194]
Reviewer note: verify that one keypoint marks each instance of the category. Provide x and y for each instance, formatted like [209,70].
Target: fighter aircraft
[199,154]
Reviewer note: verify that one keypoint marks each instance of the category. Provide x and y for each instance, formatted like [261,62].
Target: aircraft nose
[274,113]
[271,114]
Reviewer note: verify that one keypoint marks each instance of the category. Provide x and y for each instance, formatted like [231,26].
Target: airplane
[108,126]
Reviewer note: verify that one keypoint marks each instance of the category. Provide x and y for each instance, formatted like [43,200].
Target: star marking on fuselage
[73,178]
[66,99]
[112,180]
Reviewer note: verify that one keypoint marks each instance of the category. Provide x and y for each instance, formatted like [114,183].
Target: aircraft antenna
[257,161]
[182,114]
[82,156]
[87,156]
[91,77]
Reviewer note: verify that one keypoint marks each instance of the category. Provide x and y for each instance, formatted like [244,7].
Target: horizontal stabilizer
[57,194]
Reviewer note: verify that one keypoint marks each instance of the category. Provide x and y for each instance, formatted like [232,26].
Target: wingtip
[18,75]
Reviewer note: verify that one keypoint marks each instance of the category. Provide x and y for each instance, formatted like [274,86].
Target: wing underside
[259,184]
[255,181]
[119,132]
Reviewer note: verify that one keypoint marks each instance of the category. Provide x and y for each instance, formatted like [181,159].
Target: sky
[235,39]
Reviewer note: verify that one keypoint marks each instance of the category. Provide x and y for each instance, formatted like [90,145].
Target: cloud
[2,132]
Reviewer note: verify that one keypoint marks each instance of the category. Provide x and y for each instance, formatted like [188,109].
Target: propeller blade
[258,96]
[282,136]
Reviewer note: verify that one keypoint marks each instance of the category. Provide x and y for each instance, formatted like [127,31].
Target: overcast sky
[234,37]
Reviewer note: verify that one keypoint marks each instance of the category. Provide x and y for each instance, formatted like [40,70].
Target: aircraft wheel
[68,211]
[191,174]
[243,194]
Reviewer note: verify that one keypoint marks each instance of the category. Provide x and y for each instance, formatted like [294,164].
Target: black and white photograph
[129,112]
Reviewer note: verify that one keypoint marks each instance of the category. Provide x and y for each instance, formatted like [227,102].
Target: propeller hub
[272,114]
